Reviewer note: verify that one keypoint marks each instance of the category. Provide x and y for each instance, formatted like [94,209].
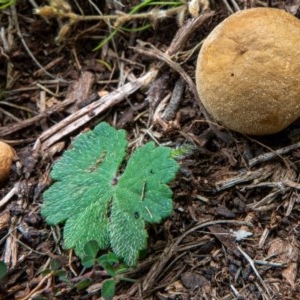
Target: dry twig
[82,116]
[270,155]
[248,258]
[243,177]
[172,107]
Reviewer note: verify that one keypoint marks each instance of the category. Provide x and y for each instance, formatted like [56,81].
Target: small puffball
[7,155]
[248,71]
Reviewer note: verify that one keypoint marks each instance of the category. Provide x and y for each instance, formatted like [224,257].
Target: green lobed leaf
[83,284]
[87,261]
[46,272]
[109,269]
[110,258]
[55,264]
[141,195]
[96,203]
[108,289]
[83,190]
[91,249]
[62,276]
[122,268]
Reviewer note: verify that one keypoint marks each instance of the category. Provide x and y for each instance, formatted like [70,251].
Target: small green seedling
[101,200]
[183,151]
[110,263]
[55,270]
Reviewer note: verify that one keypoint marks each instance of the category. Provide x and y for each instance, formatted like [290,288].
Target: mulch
[234,232]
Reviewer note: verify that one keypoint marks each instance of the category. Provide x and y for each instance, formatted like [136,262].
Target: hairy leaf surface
[97,201]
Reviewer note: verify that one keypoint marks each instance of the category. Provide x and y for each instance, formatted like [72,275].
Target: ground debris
[234,232]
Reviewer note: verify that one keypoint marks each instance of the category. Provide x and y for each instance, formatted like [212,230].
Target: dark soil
[51,76]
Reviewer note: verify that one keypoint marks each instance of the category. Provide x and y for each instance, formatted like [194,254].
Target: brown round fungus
[248,71]
[7,155]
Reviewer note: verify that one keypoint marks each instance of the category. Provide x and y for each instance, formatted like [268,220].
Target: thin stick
[156,53]
[48,276]
[170,111]
[248,258]
[82,116]
[271,264]
[9,195]
[119,18]
[28,122]
[270,155]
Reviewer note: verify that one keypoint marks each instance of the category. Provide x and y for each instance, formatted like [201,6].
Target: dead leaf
[286,251]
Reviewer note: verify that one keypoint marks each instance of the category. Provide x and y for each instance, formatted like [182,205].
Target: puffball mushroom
[248,71]
[7,155]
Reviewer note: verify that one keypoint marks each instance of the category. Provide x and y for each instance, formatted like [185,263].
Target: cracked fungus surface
[248,71]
